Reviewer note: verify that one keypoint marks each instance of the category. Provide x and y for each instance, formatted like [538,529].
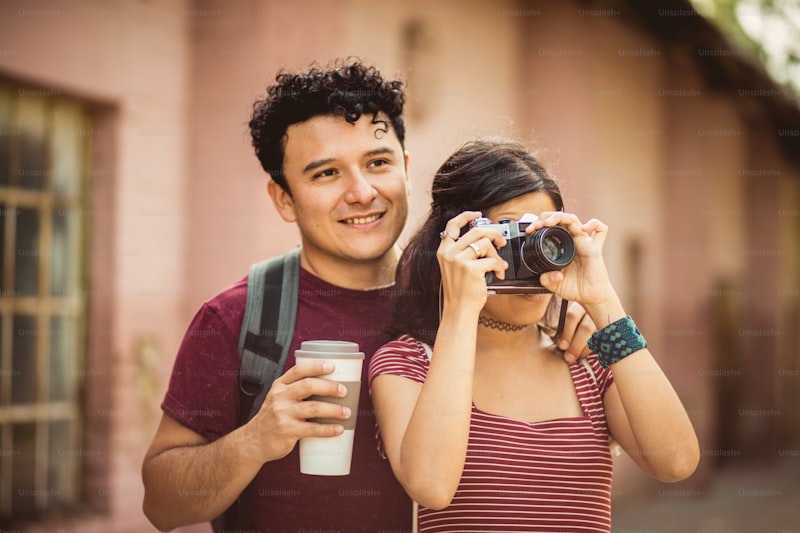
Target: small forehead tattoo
[380,131]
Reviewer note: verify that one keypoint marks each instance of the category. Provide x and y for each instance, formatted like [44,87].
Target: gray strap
[268,325]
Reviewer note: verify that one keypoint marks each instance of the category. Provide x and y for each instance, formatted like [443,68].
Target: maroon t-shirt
[203,395]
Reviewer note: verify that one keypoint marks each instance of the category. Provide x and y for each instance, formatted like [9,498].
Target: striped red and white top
[553,475]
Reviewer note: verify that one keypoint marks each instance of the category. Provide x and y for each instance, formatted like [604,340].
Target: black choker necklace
[497,324]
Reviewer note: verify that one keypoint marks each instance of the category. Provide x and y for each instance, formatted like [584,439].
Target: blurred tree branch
[762,91]
[767,29]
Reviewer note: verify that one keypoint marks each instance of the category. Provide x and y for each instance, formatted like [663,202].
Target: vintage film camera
[528,256]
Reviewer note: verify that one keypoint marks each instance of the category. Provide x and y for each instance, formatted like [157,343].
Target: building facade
[129,194]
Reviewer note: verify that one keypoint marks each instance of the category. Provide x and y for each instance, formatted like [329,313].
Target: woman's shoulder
[403,342]
[404,346]
[594,371]
[405,356]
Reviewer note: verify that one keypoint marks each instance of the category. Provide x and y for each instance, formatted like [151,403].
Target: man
[332,142]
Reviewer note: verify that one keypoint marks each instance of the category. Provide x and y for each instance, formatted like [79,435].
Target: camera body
[528,256]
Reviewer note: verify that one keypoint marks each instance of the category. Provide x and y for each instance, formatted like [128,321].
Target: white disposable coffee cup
[331,456]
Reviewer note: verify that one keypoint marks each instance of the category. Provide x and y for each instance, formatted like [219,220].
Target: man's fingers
[300,390]
[294,415]
[316,410]
[306,369]
[320,409]
[315,430]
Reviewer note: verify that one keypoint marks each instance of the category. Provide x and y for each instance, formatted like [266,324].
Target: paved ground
[763,499]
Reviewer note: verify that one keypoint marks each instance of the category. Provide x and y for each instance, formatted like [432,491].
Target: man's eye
[325,173]
[378,163]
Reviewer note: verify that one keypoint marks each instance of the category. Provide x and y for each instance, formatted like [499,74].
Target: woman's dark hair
[478,176]
[348,89]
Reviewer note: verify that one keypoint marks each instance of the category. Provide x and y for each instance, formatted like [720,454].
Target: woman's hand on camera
[464,261]
[585,280]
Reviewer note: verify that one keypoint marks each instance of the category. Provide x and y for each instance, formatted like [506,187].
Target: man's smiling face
[348,188]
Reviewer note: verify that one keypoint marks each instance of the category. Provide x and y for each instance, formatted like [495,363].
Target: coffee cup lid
[329,349]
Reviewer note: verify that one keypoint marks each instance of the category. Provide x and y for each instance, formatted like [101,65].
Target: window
[44,154]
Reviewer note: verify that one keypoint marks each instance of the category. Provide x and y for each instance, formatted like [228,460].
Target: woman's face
[519,308]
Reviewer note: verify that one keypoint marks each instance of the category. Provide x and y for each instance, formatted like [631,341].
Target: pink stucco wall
[181,207]
[133,60]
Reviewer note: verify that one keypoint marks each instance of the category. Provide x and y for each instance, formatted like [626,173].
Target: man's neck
[356,275]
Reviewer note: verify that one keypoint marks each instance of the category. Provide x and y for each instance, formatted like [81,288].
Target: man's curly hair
[348,89]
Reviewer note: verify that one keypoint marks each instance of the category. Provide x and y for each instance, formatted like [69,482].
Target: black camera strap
[562,318]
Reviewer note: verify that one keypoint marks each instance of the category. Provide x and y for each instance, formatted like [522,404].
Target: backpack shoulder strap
[264,341]
[267,328]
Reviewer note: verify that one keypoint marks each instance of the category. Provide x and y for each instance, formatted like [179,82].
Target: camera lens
[548,249]
[552,249]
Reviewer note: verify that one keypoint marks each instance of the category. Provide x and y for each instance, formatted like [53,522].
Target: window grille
[44,154]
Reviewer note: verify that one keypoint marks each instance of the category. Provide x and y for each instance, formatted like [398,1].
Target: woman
[484,424]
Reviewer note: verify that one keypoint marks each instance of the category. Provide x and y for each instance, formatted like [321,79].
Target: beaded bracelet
[616,341]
